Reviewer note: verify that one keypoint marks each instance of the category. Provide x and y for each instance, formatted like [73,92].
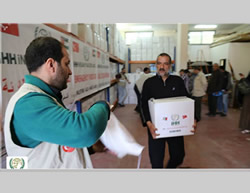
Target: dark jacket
[154,87]
[227,83]
[215,82]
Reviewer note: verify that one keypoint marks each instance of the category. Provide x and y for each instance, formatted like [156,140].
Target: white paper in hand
[118,140]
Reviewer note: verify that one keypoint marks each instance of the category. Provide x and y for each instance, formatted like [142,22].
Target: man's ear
[50,65]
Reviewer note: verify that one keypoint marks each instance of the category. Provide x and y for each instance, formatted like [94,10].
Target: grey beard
[166,73]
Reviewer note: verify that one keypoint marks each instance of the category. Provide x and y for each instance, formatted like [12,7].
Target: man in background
[138,90]
[222,104]
[214,89]
[122,92]
[199,90]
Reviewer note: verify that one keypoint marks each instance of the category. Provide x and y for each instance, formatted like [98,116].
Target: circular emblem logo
[68,149]
[17,163]
[175,117]
[40,32]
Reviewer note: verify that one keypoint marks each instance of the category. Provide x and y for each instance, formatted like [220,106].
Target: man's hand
[194,127]
[152,129]
[98,147]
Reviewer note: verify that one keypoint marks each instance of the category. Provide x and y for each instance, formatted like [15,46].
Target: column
[181,47]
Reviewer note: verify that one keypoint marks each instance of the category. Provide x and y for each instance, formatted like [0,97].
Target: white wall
[239,56]
[220,52]
[194,52]
[237,53]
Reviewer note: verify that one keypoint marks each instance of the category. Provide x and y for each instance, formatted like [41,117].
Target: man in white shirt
[138,90]
[122,93]
[199,90]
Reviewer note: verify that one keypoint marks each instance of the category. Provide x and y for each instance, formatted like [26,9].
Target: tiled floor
[218,143]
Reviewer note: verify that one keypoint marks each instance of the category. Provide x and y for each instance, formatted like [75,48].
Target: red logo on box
[11,29]
[184,116]
[68,149]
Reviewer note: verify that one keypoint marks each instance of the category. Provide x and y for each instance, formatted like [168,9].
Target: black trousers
[138,94]
[197,108]
[212,104]
[157,151]
[138,108]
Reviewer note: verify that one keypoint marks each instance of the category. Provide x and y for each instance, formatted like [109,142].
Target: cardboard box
[172,116]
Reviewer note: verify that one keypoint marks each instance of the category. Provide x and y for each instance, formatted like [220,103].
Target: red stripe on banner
[103,75]
[9,29]
[75,47]
[84,77]
[98,54]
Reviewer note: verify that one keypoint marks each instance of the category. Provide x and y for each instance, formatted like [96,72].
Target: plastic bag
[118,140]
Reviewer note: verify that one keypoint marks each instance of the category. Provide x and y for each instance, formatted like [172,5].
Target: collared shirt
[156,88]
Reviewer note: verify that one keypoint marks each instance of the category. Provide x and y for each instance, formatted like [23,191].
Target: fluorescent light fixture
[141,27]
[205,26]
[121,26]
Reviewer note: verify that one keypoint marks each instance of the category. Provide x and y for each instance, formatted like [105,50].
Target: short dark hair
[40,49]
[118,76]
[145,69]
[196,68]
[165,54]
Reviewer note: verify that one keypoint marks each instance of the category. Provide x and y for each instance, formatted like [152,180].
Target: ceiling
[221,28]
[224,33]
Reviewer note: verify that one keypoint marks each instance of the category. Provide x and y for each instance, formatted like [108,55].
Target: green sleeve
[38,118]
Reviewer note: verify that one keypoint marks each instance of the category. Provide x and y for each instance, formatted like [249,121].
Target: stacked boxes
[113,70]
[131,95]
[89,101]
[149,48]
[85,32]
[113,94]
[94,34]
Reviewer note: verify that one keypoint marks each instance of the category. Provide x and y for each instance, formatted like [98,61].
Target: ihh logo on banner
[17,162]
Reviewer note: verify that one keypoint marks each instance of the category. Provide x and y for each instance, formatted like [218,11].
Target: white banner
[85,77]
[14,40]
[103,69]
[90,67]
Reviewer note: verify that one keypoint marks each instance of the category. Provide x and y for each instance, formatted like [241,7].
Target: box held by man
[172,116]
